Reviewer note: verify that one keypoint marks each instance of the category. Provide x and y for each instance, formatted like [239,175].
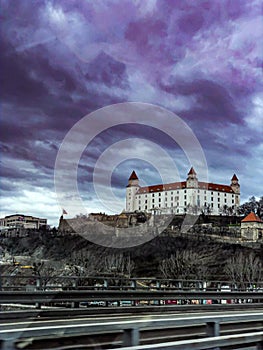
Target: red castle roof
[234,178]
[252,217]
[192,172]
[179,185]
[133,176]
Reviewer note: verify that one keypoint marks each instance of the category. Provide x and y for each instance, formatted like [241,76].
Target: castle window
[233,201]
[225,200]
[139,208]
[184,191]
[219,199]
[153,200]
[145,200]
[218,193]
[211,193]
[205,198]
[225,194]
[171,192]
[212,205]
[185,203]
[205,192]
[218,205]
[185,196]
[160,199]
[145,207]
[159,194]
[212,199]
[165,193]
[172,198]
[152,194]
[165,199]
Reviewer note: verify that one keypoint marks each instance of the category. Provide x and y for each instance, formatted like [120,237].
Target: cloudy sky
[61,60]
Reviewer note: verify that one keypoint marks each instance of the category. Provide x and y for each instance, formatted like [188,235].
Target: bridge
[71,323]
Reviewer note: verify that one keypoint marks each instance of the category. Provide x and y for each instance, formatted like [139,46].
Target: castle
[190,196]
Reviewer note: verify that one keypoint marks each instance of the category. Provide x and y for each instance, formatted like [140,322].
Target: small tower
[235,185]
[192,181]
[131,190]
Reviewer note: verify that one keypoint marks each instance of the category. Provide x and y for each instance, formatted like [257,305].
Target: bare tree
[244,268]
[185,264]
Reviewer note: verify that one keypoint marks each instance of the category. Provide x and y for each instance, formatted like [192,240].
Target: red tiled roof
[133,176]
[192,172]
[234,178]
[251,217]
[179,185]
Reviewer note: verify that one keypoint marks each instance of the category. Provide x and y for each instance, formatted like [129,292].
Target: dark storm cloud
[61,60]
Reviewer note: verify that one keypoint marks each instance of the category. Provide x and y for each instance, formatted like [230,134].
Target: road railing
[78,296]
[130,330]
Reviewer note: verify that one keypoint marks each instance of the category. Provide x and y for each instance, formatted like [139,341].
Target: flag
[64,212]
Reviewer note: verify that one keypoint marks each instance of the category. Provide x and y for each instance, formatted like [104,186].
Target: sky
[62,60]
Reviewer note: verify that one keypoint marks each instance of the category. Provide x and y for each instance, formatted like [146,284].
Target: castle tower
[131,189]
[235,184]
[192,181]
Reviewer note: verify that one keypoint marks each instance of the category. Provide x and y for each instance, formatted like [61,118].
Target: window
[212,199]
[145,201]
[152,194]
[218,205]
[185,203]
[145,207]
[159,194]
[185,196]
[160,199]
[184,191]
[211,193]
[172,198]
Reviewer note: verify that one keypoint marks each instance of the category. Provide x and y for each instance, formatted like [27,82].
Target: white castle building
[190,196]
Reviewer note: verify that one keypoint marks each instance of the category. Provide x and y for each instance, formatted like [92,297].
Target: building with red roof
[190,196]
[252,227]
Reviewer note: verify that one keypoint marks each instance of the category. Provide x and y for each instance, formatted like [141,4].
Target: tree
[252,205]
[244,268]
[185,264]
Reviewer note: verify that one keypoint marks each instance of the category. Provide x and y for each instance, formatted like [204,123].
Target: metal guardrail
[131,330]
[255,338]
[117,295]
[8,282]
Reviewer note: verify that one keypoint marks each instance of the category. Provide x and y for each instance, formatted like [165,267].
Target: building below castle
[190,196]
[22,221]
